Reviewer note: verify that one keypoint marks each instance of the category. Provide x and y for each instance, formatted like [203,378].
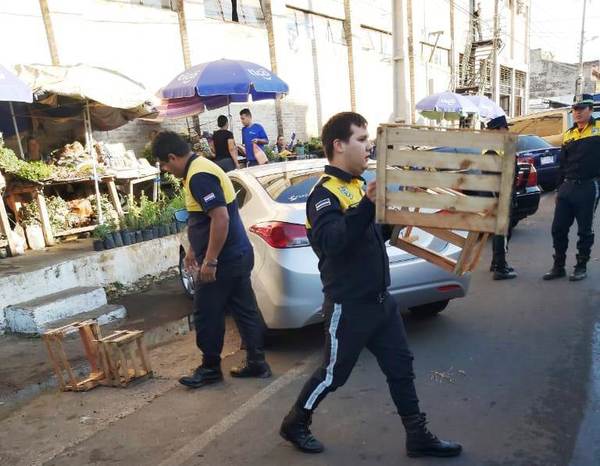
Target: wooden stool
[89,332]
[124,357]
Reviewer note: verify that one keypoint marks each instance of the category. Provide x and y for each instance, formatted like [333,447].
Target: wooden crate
[439,192]
[89,333]
[124,357]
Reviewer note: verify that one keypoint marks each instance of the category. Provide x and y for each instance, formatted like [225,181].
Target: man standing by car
[501,269]
[220,249]
[252,133]
[578,195]
[359,311]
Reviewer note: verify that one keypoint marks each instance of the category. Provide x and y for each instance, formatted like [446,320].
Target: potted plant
[148,218]
[99,234]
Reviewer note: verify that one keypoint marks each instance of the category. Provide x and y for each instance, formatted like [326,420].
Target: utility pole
[579,82]
[350,47]
[452,49]
[495,67]
[411,58]
[49,32]
[402,101]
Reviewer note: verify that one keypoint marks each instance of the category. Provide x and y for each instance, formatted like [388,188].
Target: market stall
[71,172]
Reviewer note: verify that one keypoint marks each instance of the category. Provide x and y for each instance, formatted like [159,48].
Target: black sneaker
[506,273]
[202,376]
[579,273]
[256,369]
[555,272]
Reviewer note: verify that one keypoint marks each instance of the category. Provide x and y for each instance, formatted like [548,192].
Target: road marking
[199,443]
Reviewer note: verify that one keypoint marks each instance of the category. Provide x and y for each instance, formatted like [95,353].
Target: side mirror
[182,215]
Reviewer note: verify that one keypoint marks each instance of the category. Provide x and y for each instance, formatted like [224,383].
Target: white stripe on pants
[333,326]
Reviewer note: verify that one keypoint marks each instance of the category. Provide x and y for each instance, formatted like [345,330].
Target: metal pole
[88,140]
[14,120]
[402,103]
[452,49]
[495,73]
[579,82]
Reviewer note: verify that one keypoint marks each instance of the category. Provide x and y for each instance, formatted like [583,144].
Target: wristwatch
[211,263]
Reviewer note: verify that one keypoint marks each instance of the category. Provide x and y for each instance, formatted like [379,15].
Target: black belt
[579,181]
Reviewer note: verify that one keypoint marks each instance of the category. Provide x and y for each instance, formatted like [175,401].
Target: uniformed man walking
[221,251]
[578,195]
[359,311]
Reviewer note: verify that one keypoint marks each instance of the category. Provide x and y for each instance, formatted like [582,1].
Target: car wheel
[429,310]
[187,280]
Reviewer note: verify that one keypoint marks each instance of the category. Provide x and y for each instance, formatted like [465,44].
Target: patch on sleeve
[209,197]
[322,204]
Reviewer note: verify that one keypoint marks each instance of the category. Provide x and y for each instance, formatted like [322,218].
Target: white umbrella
[487,107]
[13,89]
[445,106]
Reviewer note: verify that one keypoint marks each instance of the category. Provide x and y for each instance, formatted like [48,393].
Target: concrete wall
[125,265]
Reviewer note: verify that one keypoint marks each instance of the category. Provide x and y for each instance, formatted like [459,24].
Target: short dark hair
[222,121]
[169,142]
[246,111]
[339,127]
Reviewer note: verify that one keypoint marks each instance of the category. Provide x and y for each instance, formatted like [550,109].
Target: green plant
[109,212]
[148,212]
[271,155]
[178,202]
[32,171]
[102,231]
[60,214]
[30,214]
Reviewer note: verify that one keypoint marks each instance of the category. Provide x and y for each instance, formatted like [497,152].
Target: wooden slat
[381,177]
[455,221]
[425,179]
[44,218]
[506,191]
[431,256]
[446,235]
[5,227]
[434,138]
[144,355]
[442,201]
[465,255]
[477,253]
[451,161]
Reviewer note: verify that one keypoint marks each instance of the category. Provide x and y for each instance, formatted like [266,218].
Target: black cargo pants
[232,291]
[576,200]
[374,324]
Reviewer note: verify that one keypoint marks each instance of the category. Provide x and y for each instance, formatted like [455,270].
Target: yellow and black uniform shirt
[206,187]
[580,154]
[341,229]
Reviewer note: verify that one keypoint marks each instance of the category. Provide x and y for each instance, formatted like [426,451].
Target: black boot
[202,376]
[421,442]
[294,429]
[557,270]
[504,272]
[580,271]
[494,267]
[254,366]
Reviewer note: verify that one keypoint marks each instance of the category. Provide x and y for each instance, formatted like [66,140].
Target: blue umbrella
[220,82]
[447,105]
[12,89]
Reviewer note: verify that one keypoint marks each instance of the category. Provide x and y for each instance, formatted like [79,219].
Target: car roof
[260,171]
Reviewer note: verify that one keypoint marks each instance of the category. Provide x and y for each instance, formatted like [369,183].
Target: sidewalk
[162,312]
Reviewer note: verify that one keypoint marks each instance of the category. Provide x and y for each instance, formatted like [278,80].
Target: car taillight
[281,235]
[532,179]
[528,160]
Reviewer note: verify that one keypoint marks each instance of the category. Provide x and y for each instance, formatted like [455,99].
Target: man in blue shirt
[252,133]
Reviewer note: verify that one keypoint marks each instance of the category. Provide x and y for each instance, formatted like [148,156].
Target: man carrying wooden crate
[359,310]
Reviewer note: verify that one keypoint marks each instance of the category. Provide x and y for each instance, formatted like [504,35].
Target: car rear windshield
[293,187]
[531,142]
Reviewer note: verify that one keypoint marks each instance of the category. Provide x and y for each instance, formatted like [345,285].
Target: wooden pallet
[439,192]
[89,333]
[124,358]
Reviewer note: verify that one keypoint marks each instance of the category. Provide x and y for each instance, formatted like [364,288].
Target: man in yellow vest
[579,193]
[359,311]
[221,251]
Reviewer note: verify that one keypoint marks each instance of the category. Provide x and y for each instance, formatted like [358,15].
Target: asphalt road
[506,371]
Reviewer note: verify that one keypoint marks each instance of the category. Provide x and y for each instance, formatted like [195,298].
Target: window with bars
[441,56]
[376,41]
[239,11]
[505,80]
[171,4]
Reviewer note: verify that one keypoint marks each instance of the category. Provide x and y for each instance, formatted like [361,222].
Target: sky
[556,28]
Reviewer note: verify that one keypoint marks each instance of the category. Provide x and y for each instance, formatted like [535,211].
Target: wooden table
[129,178]
[36,189]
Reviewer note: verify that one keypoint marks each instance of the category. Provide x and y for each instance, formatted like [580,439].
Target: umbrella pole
[229,113]
[14,120]
[88,139]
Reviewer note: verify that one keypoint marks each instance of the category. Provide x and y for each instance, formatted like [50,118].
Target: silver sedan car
[272,200]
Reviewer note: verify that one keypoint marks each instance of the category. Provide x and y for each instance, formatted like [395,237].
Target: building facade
[334,54]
